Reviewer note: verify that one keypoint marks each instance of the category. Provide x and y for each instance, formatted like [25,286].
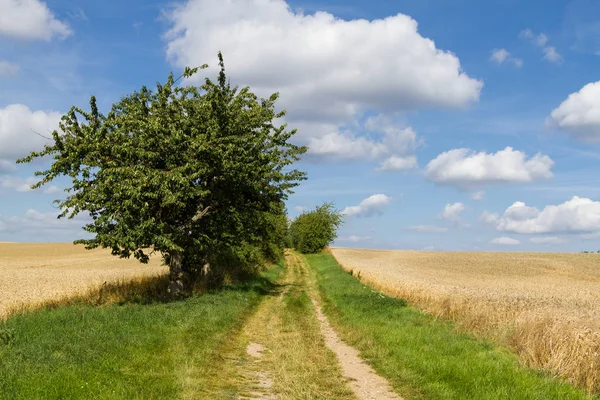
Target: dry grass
[33,274]
[546,306]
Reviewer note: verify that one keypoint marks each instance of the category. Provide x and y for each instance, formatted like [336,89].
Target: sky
[432,125]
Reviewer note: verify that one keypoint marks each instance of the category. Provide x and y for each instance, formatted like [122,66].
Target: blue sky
[462,125]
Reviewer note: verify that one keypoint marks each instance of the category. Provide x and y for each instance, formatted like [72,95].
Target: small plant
[7,335]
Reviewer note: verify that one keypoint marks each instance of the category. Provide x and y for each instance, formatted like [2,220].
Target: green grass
[424,358]
[131,351]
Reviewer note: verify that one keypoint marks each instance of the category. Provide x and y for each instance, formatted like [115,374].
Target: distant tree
[312,231]
[189,172]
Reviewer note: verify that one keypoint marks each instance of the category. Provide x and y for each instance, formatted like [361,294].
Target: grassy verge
[130,351]
[295,362]
[424,358]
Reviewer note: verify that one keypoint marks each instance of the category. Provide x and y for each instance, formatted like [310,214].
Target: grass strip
[422,357]
[130,351]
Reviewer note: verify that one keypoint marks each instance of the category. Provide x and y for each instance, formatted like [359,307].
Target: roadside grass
[295,362]
[422,357]
[126,349]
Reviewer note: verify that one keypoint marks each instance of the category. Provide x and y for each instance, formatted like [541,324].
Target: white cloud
[52,190]
[501,56]
[24,185]
[452,212]
[477,196]
[30,20]
[541,40]
[548,240]
[552,55]
[18,184]
[354,239]
[330,72]
[464,168]
[369,207]
[17,126]
[579,114]
[428,229]
[397,163]
[346,144]
[34,220]
[8,69]
[300,209]
[488,218]
[7,166]
[505,241]
[578,215]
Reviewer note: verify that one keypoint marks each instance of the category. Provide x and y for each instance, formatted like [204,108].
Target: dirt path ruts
[288,350]
[364,381]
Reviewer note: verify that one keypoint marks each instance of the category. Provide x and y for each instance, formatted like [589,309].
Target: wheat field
[32,273]
[545,306]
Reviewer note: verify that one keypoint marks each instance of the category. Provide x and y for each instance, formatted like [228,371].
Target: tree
[312,231]
[183,171]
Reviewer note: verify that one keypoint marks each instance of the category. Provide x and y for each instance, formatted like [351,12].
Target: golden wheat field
[546,306]
[31,273]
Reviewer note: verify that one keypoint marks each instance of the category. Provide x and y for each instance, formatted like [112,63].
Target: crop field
[32,273]
[545,306]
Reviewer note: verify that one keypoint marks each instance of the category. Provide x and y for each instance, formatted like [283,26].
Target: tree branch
[200,214]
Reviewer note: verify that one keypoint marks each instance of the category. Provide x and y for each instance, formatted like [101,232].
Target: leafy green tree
[312,231]
[183,171]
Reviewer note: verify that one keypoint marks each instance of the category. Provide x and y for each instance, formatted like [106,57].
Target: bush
[314,230]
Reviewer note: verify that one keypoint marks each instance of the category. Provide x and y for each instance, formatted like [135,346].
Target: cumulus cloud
[330,72]
[501,56]
[34,220]
[465,169]
[8,69]
[385,139]
[428,229]
[579,114]
[541,41]
[452,212]
[552,55]
[369,207]
[18,184]
[578,215]
[24,185]
[30,20]
[17,126]
[477,196]
[548,240]
[397,163]
[505,241]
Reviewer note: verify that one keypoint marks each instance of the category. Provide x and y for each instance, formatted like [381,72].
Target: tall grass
[421,356]
[557,334]
[124,341]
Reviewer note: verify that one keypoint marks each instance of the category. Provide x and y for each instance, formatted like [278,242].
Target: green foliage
[312,231]
[183,171]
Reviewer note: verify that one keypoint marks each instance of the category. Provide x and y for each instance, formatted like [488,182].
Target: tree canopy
[314,230]
[186,171]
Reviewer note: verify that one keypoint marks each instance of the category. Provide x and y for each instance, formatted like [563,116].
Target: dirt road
[288,349]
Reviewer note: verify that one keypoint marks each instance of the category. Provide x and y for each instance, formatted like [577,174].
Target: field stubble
[546,306]
[35,273]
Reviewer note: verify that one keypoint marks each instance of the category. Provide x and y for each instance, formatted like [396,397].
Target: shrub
[314,230]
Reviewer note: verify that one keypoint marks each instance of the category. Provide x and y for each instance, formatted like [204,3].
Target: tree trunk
[175,274]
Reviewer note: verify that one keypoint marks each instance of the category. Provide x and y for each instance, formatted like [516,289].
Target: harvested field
[32,273]
[546,306]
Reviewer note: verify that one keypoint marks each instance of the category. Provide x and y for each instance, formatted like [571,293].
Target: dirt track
[34,272]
